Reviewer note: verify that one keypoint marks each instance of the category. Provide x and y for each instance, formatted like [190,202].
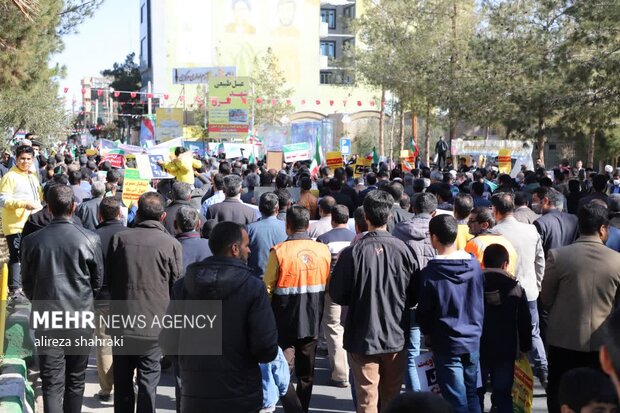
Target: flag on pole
[413,147]
[375,156]
[316,159]
[147,133]
[252,159]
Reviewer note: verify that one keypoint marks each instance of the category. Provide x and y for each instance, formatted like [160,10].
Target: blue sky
[106,38]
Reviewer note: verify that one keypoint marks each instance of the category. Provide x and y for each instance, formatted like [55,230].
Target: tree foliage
[530,66]
[270,83]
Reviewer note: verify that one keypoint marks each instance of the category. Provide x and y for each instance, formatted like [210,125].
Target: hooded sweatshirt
[451,306]
[413,232]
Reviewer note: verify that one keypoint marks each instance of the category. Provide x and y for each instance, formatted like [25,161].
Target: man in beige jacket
[580,288]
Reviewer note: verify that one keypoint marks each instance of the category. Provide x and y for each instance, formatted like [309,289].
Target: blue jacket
[276,377]
[451,306]
[195,249]
[264,235]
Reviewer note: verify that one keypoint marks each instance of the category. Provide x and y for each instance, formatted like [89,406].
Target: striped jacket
[296,276]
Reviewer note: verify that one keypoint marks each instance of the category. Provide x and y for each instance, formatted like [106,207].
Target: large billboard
[229,107]
[248,28]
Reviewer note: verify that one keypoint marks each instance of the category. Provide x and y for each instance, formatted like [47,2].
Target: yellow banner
[504,161]
[360,165]
[334,160]
[229,114]
[133,187]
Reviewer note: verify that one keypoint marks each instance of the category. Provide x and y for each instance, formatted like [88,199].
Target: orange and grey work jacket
[296,277]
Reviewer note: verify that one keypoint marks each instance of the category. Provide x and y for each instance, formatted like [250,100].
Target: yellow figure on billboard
[241,12]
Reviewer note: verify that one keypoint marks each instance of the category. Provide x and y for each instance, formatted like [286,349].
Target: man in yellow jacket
[20,196]
[182,167]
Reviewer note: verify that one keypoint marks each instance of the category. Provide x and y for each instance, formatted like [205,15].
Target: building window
[329,16]
[143,51]
[142,10]
[326,78]
[349,12]
[328,49]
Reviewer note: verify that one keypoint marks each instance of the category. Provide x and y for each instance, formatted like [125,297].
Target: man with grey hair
[88,211]
[251,182]
[556,228]
[181,194]
[187,222]
[232,209]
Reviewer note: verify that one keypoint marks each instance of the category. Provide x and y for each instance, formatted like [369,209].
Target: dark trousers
[502,377]
[15,275]
[300,356]
[148,374]
[62,378]
[562,360]
[441,160]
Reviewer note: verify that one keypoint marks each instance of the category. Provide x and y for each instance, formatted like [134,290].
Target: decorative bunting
[182,98]
[66,89]
[83,91]
[259,100]
[331,103]
[166,96]
[303,101]
[359,103]
[117,94]
[274,102]
[289,102]
[318,102]
[372,103]
[149,96]
[133,95]
[100,93]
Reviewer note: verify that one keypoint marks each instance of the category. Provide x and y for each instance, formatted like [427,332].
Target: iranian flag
[316,159]
[409,162]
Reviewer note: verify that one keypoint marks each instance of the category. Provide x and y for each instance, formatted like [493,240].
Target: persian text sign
[133,186]
[229,108]
[296,152]
[198,75]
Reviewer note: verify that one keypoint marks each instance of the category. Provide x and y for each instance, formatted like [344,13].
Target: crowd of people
[475,266]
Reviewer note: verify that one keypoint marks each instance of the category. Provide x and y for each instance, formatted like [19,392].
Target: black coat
[143,263]
[232,210]
[382,266]
[62,263]
[88,212]
[507,320]
[230,382]
[106,231]
[42,219]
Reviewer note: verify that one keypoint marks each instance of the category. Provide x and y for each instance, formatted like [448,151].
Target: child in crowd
[586,390]
[276,378]
[506,330]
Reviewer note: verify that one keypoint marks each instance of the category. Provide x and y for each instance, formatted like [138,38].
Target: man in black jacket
[376,328]
[230,382]
[62,264]
[143,264]
[110,224]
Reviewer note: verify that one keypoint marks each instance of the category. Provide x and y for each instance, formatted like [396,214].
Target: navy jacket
[194,248]
[507,319]
[557,229]
[451,306]
[230,382]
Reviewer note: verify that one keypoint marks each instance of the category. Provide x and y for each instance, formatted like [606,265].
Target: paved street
[324,399]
